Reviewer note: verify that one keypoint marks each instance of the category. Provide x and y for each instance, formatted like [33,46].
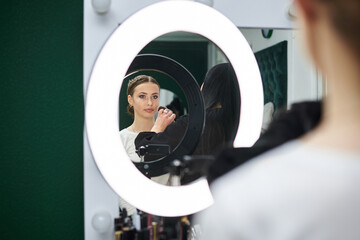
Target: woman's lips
[149,110]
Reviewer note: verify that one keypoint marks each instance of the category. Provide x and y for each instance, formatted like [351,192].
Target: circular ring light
[195,102]
[103,94]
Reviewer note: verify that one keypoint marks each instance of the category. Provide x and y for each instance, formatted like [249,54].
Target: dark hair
[344,15]
[286,126]
[177,107]
[221,88]
[222,101]
[133,83]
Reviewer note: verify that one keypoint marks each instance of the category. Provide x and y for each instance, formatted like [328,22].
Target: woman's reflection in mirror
[143,95]
[220,98]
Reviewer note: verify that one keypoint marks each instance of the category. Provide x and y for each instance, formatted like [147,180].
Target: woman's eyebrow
[155,93]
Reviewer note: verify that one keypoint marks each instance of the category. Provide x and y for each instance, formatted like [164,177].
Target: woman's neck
[340,127]
[141,124]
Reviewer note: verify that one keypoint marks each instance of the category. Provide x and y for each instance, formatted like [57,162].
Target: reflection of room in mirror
[166,97]
[195,52]
[216,56]
[302,80]
[190,44]
[171,101]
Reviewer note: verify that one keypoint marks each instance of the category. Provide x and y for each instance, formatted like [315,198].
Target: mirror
[195,52]
[102,100]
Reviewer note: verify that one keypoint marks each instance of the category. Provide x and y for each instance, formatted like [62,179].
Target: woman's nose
[149,101]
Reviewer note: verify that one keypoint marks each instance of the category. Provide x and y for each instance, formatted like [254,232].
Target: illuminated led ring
[195,102]
[102,118]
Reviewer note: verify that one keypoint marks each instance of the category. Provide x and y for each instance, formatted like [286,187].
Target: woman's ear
[306,8]
[130,100]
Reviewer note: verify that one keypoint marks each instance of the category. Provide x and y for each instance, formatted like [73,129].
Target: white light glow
[103,95]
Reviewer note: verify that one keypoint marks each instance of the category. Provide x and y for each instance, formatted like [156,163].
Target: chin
[149,115]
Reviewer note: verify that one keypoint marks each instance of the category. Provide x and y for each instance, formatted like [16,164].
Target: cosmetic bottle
[149,224]
[118,229]
[184,228]
[154,231]
[129,230]
[128,233]
[136,219]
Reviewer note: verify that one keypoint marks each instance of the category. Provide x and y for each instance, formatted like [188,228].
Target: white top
[128,139]
[293,192]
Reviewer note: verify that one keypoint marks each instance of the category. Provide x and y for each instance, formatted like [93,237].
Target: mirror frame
[103,94]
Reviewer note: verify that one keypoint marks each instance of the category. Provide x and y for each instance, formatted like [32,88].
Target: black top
[288,125]
[215,135]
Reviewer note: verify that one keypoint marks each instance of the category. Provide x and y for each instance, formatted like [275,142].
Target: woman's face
[145,100]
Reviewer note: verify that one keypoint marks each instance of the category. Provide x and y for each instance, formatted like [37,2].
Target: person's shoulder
[264,162]
[289,166]
[182,120]
[270,162]
[287,185]
[124,132]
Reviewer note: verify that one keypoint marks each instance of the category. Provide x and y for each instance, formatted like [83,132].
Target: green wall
[42,118]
